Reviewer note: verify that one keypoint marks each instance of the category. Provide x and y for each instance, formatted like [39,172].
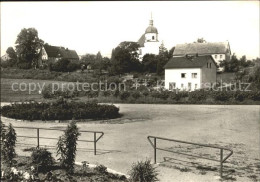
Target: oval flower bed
[60,110]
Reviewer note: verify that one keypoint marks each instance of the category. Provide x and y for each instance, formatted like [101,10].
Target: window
[209,65]
[153,37]
[172,85]
[196,86]
[220,56]
[189,86]
[216,56]
[182,85]
[183,75]
[140,51]
[194,75]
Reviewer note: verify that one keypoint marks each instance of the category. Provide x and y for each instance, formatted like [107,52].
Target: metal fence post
[221,163]
[38,137]
[95,144]
[154,150]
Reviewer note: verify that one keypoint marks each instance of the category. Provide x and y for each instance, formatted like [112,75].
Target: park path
[125,140]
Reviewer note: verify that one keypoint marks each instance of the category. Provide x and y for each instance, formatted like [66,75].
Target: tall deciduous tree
[28,45]
[12,56]
[125,58]
[150,63]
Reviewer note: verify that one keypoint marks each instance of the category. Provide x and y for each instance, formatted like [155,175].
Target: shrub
[145,93]
[66,147]
[240,95]
[124,95]
[61,110]
[254,95]
[60,66]
[101,169]
[164,94]
[72,66]
[143,172]
[221,95]
[42,159]
[47,92]
[24,65]
[136,95]
[9,141]
[198,95]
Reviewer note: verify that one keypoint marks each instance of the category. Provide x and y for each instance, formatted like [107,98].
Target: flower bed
[60,110]
[22,170]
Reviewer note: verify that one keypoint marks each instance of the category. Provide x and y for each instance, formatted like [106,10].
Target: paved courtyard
[125,140]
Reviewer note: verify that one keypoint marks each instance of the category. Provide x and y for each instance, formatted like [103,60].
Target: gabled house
[53,53]
[218,50]
[190,73]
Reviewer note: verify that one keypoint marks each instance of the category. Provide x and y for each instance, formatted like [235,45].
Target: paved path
[125,141]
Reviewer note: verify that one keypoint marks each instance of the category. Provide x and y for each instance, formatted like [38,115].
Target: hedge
[60,110]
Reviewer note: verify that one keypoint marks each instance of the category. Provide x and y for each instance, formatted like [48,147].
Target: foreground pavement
[125,140]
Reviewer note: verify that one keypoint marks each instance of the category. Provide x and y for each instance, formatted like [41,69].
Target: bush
[124,95]
[136,95]
[143,172]
[101,169]
[60,110]
[67,147]
[198,95]
[24,65]
[42,159]
[64,65]
[9,141]
[72,66]
[254,95]
[221,95]
[240,95]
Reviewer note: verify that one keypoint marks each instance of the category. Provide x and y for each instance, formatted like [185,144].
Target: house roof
[188,62]
[141,40]
[69,54]
[201,48]
[54,51]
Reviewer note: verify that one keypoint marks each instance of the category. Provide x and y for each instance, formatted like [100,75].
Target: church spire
[151,21]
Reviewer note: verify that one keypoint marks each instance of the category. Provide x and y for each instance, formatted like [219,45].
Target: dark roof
[151,29]
[201,48]
[185,62]
[69,54]
[54,51]
[141,40]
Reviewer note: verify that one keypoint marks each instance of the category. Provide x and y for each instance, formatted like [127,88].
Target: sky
[89,27]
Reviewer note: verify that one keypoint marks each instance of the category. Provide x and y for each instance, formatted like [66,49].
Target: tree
[67,147]
[201,40]
[163,58]
[99,56]
[125,58]
[28,45]
[150,63]
[9,141]
[230,66]
[12,56]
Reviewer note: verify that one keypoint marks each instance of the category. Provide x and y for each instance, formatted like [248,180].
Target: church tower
[151,32]
[149,43]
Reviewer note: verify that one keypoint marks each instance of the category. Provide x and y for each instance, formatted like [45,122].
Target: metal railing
[95,138]
[222,160]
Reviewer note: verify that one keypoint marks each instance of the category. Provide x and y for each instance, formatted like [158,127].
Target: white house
[190,73]
[218,50]
[149,43]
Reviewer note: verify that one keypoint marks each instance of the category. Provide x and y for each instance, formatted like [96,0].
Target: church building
[149,43]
